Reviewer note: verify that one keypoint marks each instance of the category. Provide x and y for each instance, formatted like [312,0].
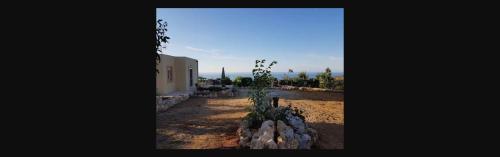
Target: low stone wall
[213,94]
[165,102]
[304,89]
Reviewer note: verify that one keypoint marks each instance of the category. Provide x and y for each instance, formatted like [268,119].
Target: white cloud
[211,52]
[214,54]
[226,57]
[313,55]
[335,58]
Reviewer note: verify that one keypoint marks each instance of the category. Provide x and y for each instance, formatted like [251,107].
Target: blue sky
[303,39]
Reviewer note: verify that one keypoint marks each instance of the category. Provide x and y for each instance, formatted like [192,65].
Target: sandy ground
[211,123]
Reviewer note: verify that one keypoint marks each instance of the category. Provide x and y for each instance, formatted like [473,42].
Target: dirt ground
[211,123]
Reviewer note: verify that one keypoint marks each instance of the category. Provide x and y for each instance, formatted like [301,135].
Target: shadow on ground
[200,123]
[331,135]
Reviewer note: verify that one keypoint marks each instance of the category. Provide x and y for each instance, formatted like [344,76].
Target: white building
[176,74]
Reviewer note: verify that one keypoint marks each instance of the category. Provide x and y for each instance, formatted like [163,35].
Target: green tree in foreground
[262,80]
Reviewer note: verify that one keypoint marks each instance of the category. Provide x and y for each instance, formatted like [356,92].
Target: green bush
[237,81]
[303,76]
[285,82]
[242,81]
[246,81]
[274,81]
[226,81]
[313,83]
[254,120]
[201,79]
[339,85]
[300,83]
[325,79]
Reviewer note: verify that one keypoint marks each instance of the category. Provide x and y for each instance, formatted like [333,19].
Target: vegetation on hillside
[322,80]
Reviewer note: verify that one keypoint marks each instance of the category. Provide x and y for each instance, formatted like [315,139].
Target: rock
[264,138]
[244,133]
[271,144]
[314,135]
[296,138]
[159,100]
[305,141]
[297,124]
[283,129]
[286,138]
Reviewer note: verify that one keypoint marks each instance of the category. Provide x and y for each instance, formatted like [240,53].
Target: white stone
[264,137]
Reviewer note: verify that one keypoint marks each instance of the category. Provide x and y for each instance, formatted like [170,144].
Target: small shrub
[303,76]
[226,81]
[242,81]
[285,82]
[339,85]
[201,79]
[325,79]
[299,82]
[313,83]
[254,119]
[216,81]
[246,81]
[237,81]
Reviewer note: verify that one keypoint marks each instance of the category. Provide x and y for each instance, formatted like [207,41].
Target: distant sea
[279,75]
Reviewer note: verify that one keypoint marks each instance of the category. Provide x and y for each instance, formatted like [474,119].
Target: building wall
[180,73]
[163,86]
[191,63]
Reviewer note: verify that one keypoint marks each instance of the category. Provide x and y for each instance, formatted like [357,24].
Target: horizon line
[271,71]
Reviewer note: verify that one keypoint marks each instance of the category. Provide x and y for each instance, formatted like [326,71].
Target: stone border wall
[165,102]
[304,89]
[214,94]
